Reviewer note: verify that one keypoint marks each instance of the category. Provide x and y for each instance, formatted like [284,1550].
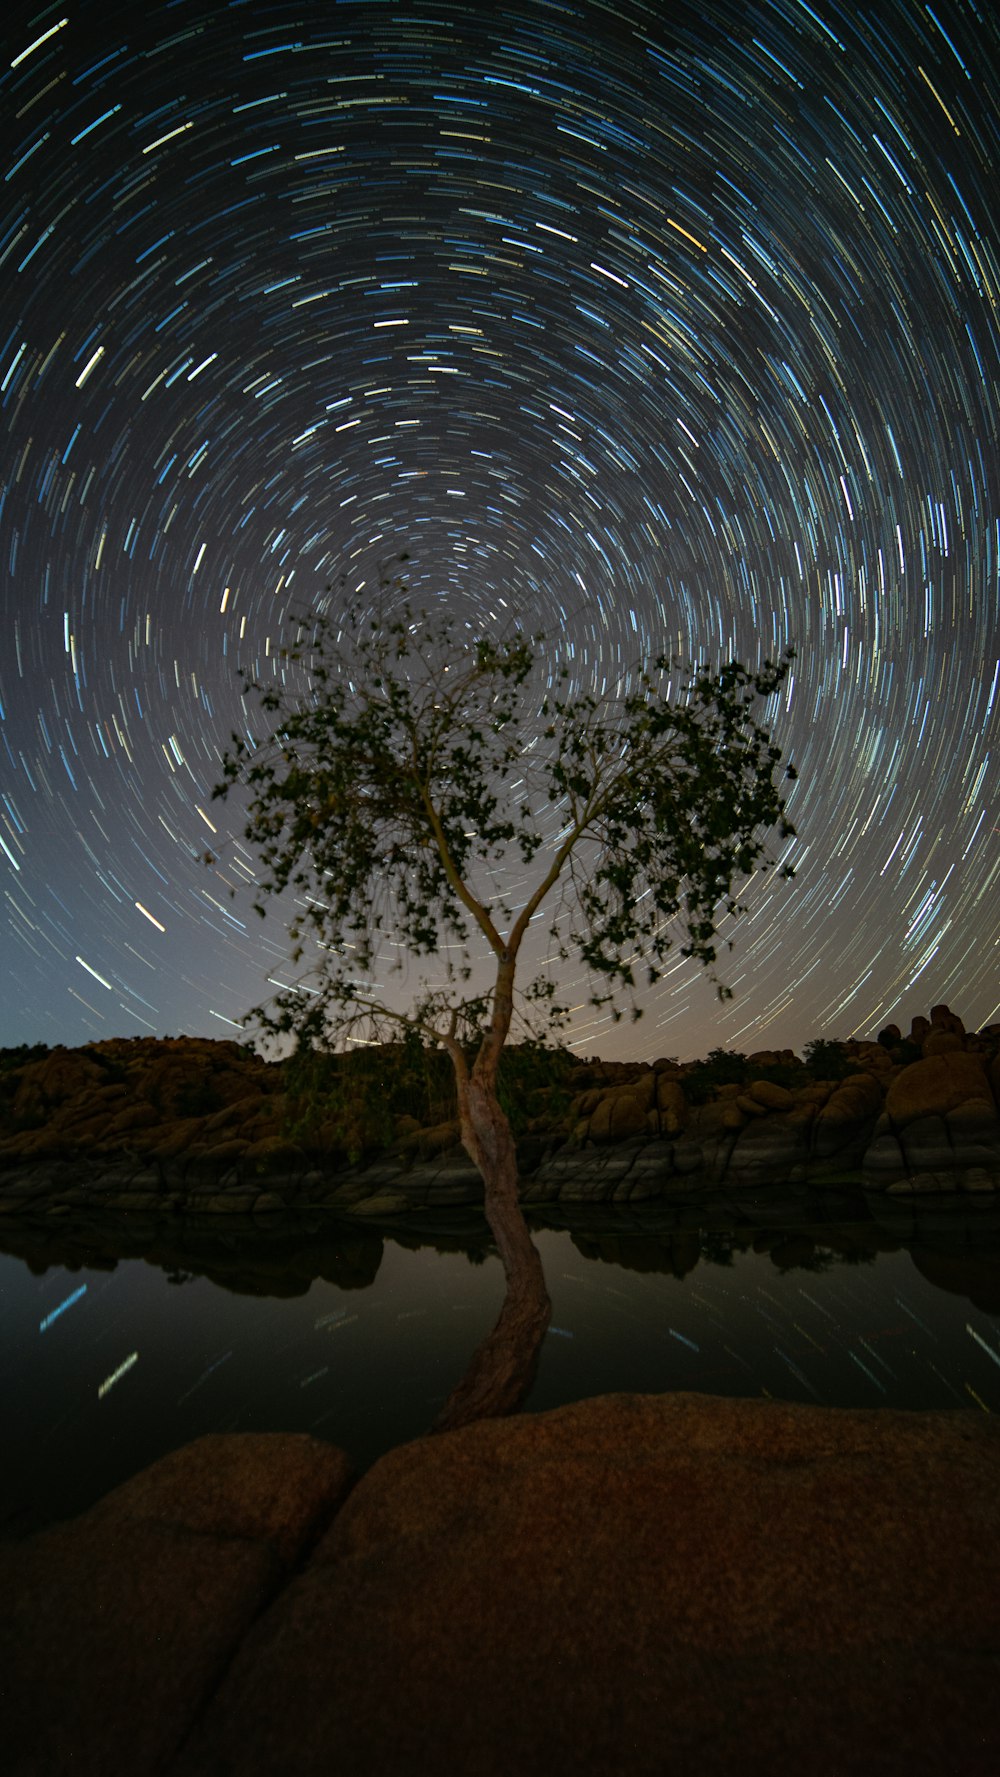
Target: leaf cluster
[421,776]
[352,1099]
[827,1060]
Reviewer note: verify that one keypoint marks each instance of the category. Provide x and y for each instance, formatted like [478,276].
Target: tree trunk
[503,1366]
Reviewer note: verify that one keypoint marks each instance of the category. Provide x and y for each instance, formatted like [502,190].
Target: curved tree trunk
[503,1366]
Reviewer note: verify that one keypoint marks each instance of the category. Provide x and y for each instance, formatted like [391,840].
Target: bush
[825,1060]
[722,1067]
[534,1079]
[18,1057]
[356,1096]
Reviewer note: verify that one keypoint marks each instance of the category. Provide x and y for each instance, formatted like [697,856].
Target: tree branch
[461,888]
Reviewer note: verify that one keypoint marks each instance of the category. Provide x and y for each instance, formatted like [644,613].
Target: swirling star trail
[656,326]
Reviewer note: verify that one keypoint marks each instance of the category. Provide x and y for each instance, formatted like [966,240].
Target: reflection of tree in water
[718,1246]
[804,1252]
[677,1252]
[801,1254]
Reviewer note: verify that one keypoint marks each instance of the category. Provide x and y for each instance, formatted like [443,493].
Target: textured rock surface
[935,1085]
[116,1626]
[642,1584]
[630,1585]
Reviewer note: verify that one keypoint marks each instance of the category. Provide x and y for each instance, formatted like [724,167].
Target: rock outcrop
[627,1585]
[187,1125]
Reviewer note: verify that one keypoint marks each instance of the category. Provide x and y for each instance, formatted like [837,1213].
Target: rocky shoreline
[188,1126]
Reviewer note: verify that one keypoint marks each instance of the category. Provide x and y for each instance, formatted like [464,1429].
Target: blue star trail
[655,327]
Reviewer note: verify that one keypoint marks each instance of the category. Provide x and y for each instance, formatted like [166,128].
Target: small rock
[383,1203]
[770,1095]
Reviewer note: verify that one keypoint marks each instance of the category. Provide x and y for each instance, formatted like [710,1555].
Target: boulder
[117,1625]
[771,1147]
[732,1114]
[945,1020]
[436,1138]
[935,1085]
[671,1103]
[883,1158]
[872,1056]
[640,1584]
[619,1115]
[274,1154]
[61,1075]
[770,1095]
[933,1184]
[45,1143]
[382,1203]
[925,1145]
[749,1106]
[942,1042]
[169,1140]
[847,1118]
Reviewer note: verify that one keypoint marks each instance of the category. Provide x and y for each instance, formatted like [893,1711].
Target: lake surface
[109,1361]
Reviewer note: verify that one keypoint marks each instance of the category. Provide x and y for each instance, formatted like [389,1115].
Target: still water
[110,1357]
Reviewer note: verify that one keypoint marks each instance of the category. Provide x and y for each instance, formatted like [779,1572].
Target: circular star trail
[656,327]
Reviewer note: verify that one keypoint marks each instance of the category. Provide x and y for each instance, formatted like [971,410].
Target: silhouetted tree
[426,794]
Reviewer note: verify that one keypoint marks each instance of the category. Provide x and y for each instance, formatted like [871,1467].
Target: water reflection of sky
[104,1370]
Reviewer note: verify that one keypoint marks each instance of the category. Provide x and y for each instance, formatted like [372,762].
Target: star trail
[656,326]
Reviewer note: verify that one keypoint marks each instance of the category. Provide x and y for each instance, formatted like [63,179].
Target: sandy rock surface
[627,1586]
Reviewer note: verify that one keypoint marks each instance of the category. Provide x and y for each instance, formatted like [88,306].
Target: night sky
[662,327]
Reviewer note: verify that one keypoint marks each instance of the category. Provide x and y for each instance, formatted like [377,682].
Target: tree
[418,781]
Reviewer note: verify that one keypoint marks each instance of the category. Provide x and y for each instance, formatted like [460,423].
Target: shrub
[356,1096]
[11,1059]
[722,1067]
[825,1060]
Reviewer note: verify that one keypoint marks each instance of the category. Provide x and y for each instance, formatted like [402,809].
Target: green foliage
[339,1101]
[20,1055]
[781,1073]
[350,1101]
[416,766]
[721,1067]
[534,1080]
[727,1067]
[826,1060]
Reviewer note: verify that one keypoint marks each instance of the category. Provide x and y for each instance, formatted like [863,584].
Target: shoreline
[195,1127]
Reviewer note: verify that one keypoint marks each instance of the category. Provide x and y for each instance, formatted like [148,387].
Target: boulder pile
[191,1125]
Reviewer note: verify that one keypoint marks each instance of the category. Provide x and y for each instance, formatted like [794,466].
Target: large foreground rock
[115,1627]
[630,1585]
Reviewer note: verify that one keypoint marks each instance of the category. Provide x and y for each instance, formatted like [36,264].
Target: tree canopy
[427,793]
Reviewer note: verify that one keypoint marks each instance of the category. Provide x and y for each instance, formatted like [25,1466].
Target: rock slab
[630,1585]
[637,1585]
[116,1626]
